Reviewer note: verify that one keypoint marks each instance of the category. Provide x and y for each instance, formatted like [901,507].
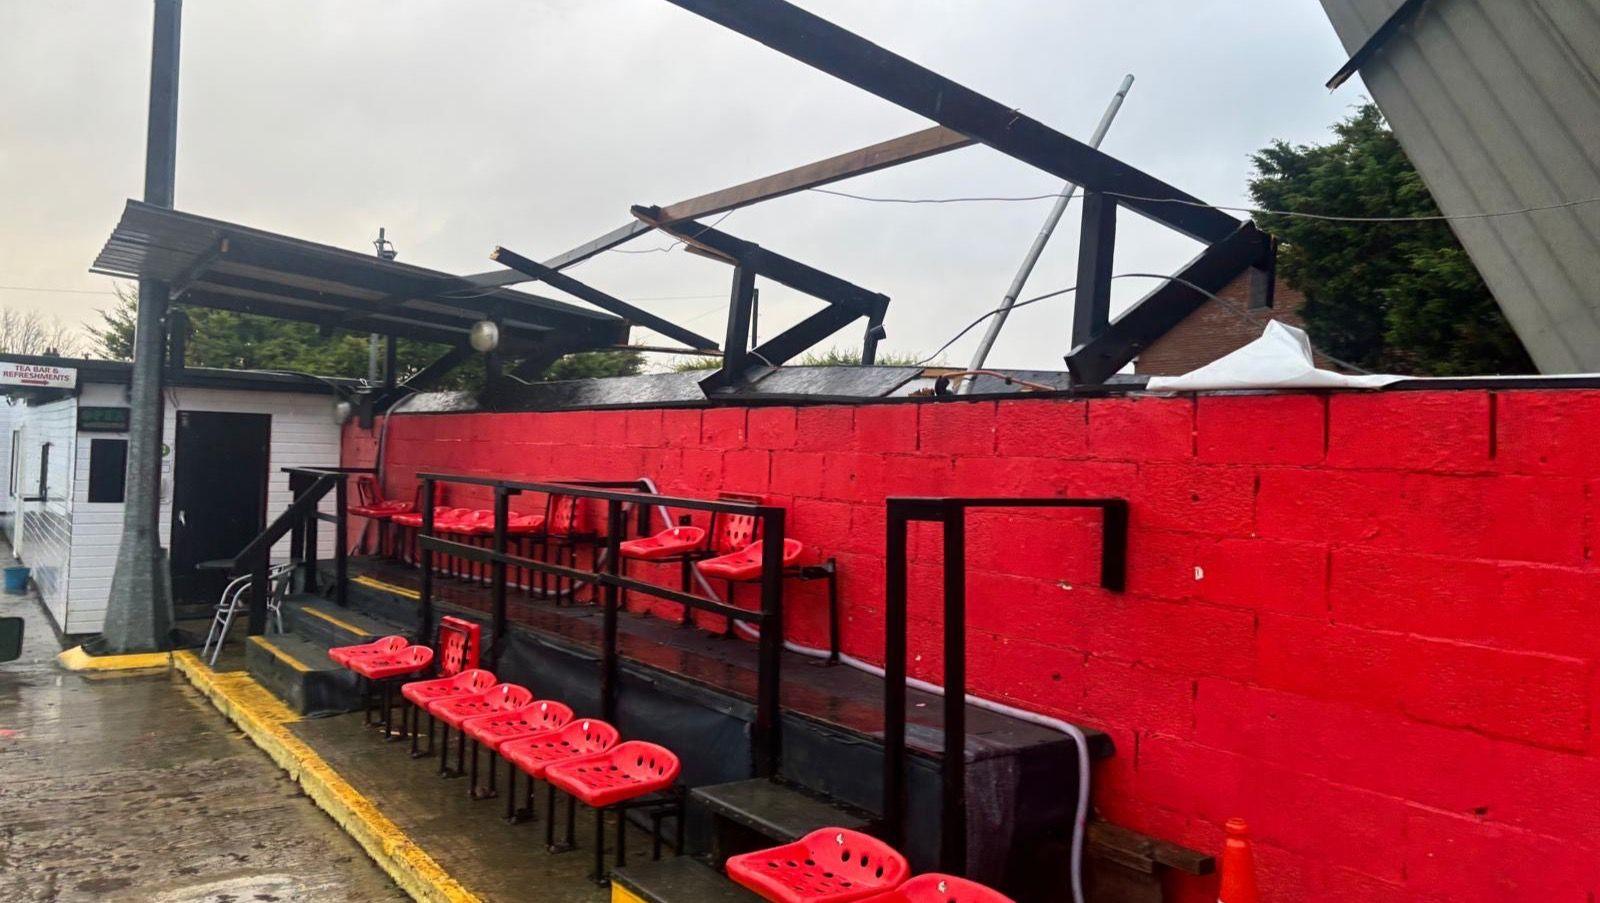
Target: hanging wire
[1230,306]
[1255,211]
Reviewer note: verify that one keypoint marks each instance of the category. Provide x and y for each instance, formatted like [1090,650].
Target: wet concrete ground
[469,838]
[134,788]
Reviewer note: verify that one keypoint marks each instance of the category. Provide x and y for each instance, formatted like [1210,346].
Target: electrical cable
[715,223]
[1255,211]
[1226,304]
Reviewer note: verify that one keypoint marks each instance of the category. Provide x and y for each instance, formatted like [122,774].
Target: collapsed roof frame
[1100,346]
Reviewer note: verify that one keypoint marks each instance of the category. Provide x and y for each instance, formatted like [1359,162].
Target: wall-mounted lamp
[485,336]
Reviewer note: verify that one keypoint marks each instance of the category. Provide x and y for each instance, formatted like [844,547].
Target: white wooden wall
[303,435]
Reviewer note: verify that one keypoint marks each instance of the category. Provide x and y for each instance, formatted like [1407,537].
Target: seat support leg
[599,876]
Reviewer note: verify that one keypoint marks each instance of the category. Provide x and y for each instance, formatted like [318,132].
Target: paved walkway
[125,787]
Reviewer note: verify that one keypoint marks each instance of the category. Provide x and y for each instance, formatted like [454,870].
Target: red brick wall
[1214,329]
[1368,623]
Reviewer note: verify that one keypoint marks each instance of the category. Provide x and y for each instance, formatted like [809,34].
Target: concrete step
[325,623]
[300,673]
[759,813]
[680,879]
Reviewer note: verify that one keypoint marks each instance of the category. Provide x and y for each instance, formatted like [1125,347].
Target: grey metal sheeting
[1497,102]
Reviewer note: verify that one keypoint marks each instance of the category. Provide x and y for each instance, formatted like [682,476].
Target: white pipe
[1068,191]
[1081,815]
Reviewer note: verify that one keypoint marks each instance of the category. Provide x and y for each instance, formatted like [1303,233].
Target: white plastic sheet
[1280,359]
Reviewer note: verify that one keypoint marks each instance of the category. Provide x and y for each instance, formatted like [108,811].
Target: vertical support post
[425,556]
[869,345]
[297,539]
[260,587]
[768,747]
[312,526]
[894,675]
[1114,545]
[736,344]
[953,803]
[391,356]
[341,543]
[497,632]
[1091,312]
[616,523]
[139,607]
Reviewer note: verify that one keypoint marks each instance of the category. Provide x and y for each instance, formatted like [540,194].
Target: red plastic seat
[670,543]
[341,655]
[475,520]
[523,524]
[422,693]
[745,565]
[409,660]
[372,503]
[936,888]
[498,699]
[536,752]
[623,772]
[441,516]
[830,864]
[496,730]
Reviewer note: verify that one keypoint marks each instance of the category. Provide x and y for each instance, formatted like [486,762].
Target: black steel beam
[822,45]
[430,375]
[771,265]
[557,280]
[1091,309]
[1097,360]
[1382,36]
[618,236]
[331,319]
[741,305]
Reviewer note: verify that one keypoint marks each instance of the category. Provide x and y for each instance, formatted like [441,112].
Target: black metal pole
[616,522]
[425,557]
[139,607]
[1091,310]
[769,721]
[497,633]
[953,824]
[341,551]
[312,525]
[894,676]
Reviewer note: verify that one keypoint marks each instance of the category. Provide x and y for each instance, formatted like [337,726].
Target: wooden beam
[915,146]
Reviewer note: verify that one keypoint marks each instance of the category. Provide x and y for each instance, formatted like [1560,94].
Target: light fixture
[485,336]
[342,411]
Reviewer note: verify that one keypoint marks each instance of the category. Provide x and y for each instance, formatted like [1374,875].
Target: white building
[226,433]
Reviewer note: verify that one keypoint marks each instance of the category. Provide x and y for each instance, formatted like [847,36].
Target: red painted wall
[1368,623]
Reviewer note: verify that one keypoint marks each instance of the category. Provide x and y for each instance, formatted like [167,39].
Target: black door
[219,496]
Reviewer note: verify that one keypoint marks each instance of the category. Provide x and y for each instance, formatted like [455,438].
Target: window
[108,469]
[44,475]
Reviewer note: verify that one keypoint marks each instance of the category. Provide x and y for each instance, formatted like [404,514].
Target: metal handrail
[951,512]
[309,485]
[606,575]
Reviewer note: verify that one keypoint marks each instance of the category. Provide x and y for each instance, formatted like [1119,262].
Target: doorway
[219,496]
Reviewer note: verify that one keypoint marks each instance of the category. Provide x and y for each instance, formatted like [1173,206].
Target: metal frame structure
[607,575]
[951,512]
[822,45]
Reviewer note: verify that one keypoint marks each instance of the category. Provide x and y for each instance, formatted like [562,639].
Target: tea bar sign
[37,376]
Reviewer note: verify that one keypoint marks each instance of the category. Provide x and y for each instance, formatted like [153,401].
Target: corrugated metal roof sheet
[1497,102]
[234,267]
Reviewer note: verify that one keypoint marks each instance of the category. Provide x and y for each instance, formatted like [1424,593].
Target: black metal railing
[951,512]
[605,574]
[309,485]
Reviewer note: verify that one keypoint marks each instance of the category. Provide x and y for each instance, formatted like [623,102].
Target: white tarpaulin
[1280,359]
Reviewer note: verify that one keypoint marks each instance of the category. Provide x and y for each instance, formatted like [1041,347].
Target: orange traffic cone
[1238,866]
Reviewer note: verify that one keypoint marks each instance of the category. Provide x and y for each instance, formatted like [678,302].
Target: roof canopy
[216,264]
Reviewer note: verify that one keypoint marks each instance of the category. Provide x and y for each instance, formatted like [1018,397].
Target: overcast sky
[462,124]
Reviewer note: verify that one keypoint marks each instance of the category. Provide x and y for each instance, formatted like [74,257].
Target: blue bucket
[16,580]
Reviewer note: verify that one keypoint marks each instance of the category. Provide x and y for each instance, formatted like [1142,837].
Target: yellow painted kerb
[373,583]
[263,718]
[272,647]
[620,894]
[75,659]
[342,625]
